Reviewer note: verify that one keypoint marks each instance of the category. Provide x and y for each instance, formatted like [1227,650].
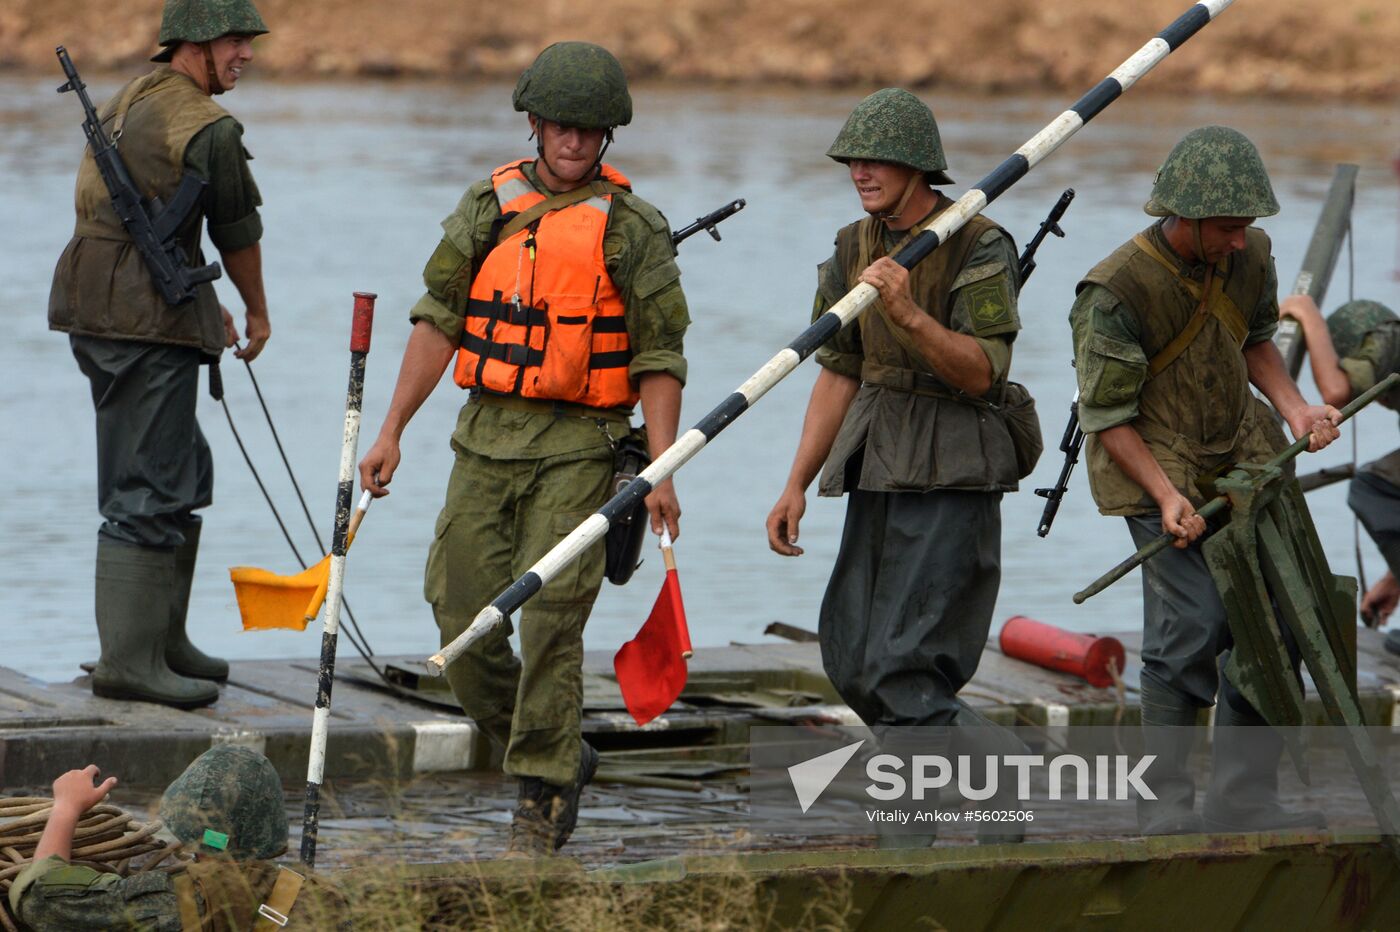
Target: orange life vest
[544,319]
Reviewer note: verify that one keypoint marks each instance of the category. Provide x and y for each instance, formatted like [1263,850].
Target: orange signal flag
[651,669]
[267,601]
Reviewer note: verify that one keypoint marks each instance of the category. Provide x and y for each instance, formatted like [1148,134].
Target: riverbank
[1315,48]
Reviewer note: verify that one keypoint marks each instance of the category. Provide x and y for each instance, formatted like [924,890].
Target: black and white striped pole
[360,328]
[825,327]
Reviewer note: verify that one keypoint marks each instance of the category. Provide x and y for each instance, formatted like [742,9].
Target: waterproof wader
[153,470]
[907,611]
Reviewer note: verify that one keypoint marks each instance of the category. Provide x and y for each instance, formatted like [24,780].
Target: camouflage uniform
[228,807]
[909,603]
[1194,410]
[1366,336]
[524,477]
[141,356]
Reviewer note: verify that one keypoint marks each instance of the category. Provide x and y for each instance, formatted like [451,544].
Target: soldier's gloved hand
[1180,520]
[1320,421]
[76,793]
[782,523]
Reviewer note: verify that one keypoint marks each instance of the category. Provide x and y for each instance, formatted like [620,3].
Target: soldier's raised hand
[76,792]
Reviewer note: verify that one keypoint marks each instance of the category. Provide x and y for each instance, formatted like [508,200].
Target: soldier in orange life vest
[556,289]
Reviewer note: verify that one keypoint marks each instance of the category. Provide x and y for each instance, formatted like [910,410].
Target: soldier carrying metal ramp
[1170,332]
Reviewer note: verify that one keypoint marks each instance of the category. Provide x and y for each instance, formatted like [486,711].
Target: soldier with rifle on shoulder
[141,316]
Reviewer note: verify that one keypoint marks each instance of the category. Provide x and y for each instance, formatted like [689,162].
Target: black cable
[257,390]
[354,624]
[353,633]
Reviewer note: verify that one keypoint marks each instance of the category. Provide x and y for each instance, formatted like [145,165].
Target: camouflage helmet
[205,21]
[577,84]
[1349,324]
[892,125]
[228,800]
[1213,172]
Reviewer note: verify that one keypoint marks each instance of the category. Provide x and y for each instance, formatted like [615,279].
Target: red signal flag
[651,668]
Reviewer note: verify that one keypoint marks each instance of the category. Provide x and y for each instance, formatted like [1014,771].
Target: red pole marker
[1083,655]
[651,669]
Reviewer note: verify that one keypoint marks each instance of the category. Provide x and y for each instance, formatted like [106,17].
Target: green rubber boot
[180,655]
[1243,791]
[1168,733]
[905,742]
[135,591]
[979,738]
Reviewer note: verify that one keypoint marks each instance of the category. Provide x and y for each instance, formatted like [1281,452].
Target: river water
[356,177]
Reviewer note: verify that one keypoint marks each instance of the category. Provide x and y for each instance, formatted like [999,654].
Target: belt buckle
[272,915]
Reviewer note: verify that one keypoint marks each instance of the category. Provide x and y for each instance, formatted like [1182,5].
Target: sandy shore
[1328,48]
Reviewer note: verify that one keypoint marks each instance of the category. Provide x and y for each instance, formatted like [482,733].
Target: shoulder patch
[988,302]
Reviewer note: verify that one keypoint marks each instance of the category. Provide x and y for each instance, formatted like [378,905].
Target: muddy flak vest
[1195,410]
[544,319]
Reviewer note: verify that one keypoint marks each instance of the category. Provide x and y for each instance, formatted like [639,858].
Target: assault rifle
[1070,445]
[709,223]
[1051,224]
[150,223]
[1073,438]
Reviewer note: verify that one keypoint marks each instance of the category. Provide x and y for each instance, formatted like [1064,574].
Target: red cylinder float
[1083,655]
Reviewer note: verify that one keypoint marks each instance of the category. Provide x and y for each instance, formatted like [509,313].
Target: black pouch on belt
[623,542]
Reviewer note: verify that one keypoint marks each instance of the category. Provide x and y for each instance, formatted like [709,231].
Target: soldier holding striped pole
[907,413]
[943,226]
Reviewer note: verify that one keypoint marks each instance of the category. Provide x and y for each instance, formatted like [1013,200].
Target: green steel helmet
[1349,324]
[1214,171]
[577,84]
[229,800]
[205,21]
[892,125]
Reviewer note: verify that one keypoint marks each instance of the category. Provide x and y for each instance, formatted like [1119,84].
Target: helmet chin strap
[1200,246]
[593,171]
[216,87]
[914,181]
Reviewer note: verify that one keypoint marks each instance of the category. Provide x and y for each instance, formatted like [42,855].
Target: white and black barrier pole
[825,327]
[360,328]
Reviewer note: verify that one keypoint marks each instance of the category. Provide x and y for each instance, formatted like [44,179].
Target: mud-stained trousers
[907,611]
[500,517]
